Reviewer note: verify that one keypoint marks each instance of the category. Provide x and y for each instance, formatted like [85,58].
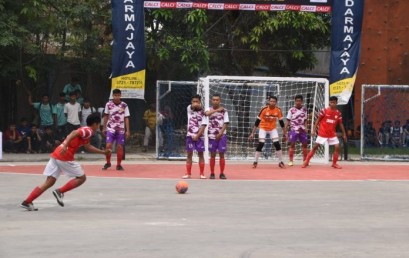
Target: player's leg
[109,140]
[222,148]
[261,140]
[334,141]
[292,140]
[52,172]
[120,142]
[319,141]
[189,151]
[199,146]
[277,146]
[304,144]
[212,162]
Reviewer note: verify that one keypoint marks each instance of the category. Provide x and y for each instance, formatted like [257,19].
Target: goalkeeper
[266,120]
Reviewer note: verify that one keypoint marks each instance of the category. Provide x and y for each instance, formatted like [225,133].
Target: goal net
[243,97]
[172,99]
[385,122]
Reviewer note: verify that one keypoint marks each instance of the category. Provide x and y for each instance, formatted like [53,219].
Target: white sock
[279,154]
[258,153]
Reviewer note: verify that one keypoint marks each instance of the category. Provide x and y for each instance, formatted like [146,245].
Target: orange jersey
[269,117]
[83,138]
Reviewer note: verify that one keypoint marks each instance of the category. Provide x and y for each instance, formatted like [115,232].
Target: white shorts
[331,141]
[55,167]
[263,133]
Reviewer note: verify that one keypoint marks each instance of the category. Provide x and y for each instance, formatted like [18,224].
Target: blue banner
[128,53]
[345,47]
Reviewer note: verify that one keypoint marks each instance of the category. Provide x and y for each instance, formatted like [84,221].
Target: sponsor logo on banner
[292,7]
[167,4]
[308,8]
[213,6]
[231,6]
[323,9]
[200,5]
[248,7]
[184,5]
[263,7]
[151,4]
[277,7]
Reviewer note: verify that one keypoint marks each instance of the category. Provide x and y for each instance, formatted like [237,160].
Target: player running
[267,121]
[218,122]
[62,161]
[328,120]
[297,120]
[196,124]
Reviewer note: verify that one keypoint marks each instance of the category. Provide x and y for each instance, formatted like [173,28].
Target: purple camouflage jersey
[116,116]
[216,122]
[297,119]
[195,119]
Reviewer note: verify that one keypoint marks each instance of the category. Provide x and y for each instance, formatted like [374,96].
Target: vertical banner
[345,47]
[128,53]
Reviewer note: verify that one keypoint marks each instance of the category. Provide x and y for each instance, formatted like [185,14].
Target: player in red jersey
[328,120]
[62,161]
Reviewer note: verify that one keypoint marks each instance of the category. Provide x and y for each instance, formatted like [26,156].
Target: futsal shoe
[222,176]
[305,164]
[254,164]
[187,176]
[119,168]
[59,196]
[212,176]
[202,177]
[290,164]
[106,166]
[336,166]
[281,164]
[28,206]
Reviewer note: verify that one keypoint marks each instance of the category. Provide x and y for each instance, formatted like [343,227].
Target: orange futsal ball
[181,187]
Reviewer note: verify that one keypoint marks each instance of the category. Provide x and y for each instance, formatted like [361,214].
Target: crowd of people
[390,134]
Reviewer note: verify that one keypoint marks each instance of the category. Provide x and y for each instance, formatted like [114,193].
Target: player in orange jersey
[328,120]
[62,161]
[266,120]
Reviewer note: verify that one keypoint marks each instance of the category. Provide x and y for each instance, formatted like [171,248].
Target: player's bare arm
[127,128]
[211,112]
[222,131]
[256,124]
[314,129]
[91,148]
[284,129]
[344,136]
[200,133]
[104,124]
[67,141]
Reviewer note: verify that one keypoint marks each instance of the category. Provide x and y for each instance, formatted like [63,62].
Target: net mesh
[385,119]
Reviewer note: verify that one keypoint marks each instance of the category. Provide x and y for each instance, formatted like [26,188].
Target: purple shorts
[194,145]
[301,136]
[218,145]
[119,138]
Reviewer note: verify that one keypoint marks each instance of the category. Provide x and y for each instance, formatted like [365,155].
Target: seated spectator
[49,141]
[396,134]
[34,140]
[12,140]
[24,129]
[384,134]
[370,136]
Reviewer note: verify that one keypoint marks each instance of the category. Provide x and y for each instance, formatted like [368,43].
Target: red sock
[291,153]
[335,158]
[222,165]
[119,155]
[304,152]
[189,168]
[212,164]
[34,194]
[201,167]
[309,156]
[73,183]
[108,158]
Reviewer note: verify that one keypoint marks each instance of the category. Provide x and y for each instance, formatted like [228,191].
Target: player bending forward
[196,124]
[218,121]
[297,119]
[328,120]
[62,161]
[267,121]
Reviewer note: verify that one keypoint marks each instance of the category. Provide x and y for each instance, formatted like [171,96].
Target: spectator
[149,118]
[12,140]
[60,120]
[384,133]
[167,124]
[71,87]
[45,110]
[80,99]
[34,140]
[24,130]
[72,111]
[86,110]
[406,134]
[370,136]
[49,141]
[396,134]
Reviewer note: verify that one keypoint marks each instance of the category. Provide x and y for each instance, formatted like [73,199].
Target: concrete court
[129,217]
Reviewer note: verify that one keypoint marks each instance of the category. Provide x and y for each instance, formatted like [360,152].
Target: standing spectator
[86,110]
[218,122]
[80,99]
[72,110]
[49,141]
[34,140]
[71,87]
[384,134]
[297,119]
[267,119]
[328,120]
[116,127]
[149,118]
[60,119]
[396,134]
[12,140]
[196,124]
[45,110]
[406,134]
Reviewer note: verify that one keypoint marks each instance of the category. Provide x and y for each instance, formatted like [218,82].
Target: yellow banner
[342,89]
[131,85]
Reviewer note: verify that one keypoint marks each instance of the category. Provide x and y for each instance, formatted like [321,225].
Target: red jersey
[329,120]
[83,138]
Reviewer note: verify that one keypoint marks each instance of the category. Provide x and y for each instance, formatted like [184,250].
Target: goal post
[244,96]
[384,130]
